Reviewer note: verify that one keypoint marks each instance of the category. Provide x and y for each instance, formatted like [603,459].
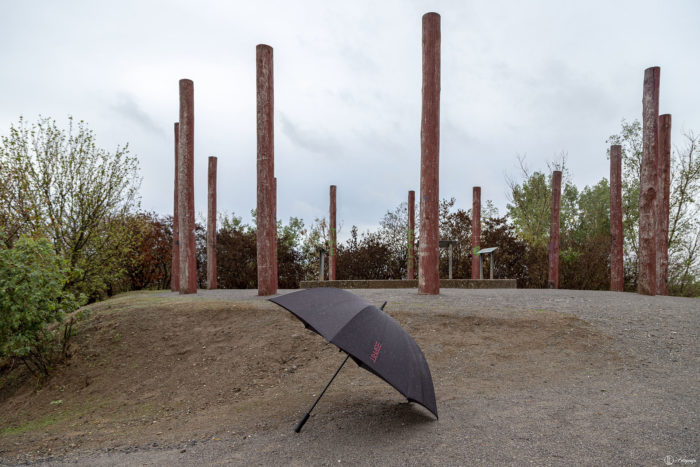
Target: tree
[147,264]
[314,238]
[512,251]
[455,225]
[684,222]
[32,300]
[584,229]
[394,233]
[290,265]
[585,242]
[529,209]
[368,256]
[60,184]
[530,202]
[236,254]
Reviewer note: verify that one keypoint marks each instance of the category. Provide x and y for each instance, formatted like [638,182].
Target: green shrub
[33,301]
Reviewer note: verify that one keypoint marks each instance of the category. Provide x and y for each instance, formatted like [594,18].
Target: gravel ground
[641,409]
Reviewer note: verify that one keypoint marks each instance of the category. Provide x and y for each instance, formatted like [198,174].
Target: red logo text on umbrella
[375,354]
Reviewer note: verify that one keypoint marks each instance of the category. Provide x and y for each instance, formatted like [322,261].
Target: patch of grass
[31,425]
[61,414]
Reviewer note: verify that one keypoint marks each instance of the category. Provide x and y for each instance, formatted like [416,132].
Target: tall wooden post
[617,277]
[274,216]
[185,181]
[428,255]
[646,281]
[267,279]
[662,203]
[175,263]
[411,257]
[333,252]
[211,226]
[553,280]
[476,232]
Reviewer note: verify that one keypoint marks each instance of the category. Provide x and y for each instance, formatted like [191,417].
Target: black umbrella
[373,339]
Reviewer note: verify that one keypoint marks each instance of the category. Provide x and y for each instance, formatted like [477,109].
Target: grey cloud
[127,107]
[310,140]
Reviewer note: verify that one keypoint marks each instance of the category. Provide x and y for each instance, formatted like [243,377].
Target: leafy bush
[33,298]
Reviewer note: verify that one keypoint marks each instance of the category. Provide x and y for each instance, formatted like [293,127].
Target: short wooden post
[411,258]
[449,255]
[476,231]
[332,253]
[322,271]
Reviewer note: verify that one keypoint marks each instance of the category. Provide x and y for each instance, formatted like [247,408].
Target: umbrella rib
[308,414]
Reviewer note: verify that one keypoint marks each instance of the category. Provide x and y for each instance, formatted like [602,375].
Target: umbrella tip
[383,305]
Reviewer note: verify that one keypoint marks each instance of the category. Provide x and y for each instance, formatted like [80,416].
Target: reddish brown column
[553,281]
[428,255]
[185,181]
[267,278]
[211,226]
[274,216]
[646,280]
[617,277]
[175,263]
[332,233]
[663,166]
[476,232]
[411,259]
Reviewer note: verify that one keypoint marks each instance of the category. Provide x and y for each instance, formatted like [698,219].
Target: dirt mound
[161,371]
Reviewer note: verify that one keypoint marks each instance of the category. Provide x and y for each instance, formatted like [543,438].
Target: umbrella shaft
[306,417]
[329,383]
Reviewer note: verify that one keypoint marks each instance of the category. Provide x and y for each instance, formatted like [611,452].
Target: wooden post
[185,181]
[267,280]
[322,272]
[411,259]
[553,281]
[175,263]
[617,278]
[646,281]
[662,203]
[429,254]
[211,226]
[476,231]
[274,204]
[332,253]
[449,260]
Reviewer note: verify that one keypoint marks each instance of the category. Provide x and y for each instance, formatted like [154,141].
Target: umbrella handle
[302,421]
[308,414]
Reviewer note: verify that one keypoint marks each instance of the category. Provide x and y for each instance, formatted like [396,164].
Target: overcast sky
[533,78]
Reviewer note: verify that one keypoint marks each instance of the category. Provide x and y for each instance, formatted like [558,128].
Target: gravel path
[642,410]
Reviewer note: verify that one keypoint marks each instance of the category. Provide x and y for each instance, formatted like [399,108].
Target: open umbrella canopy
[373,339]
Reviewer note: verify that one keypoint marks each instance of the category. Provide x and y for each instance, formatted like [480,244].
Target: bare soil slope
[155,371]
